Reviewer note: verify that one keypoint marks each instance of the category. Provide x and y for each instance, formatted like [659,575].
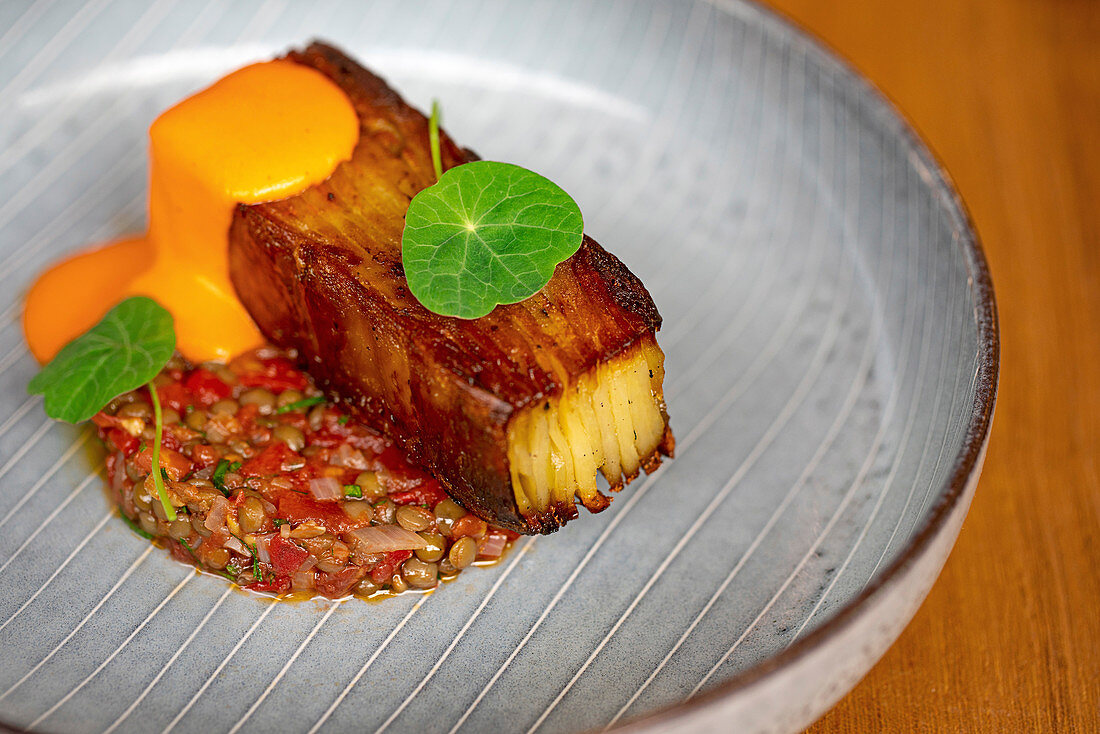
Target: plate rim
[968,461]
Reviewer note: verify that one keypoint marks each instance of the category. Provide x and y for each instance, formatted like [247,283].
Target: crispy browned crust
[321,273]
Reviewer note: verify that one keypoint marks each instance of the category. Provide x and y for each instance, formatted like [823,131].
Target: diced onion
[326,488]
[302,581]
[387,538]
[120,472]
[235,545]
[215,433]
[349,458]
[215,519]
[263,545]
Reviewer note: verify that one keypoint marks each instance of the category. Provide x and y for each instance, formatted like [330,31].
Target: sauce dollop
[264,132]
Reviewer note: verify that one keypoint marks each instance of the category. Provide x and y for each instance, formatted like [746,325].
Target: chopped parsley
[353,490]
[190,550]
[256,572]
[218,477]
[135,527]
[299,404]
[159,475]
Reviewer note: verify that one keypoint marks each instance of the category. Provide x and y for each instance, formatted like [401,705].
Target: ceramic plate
[832,357]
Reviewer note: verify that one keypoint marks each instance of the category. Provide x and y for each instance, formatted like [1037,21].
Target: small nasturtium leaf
[125,350]
[487,233]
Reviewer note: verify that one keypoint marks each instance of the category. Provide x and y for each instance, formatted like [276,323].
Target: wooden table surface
[1007,93]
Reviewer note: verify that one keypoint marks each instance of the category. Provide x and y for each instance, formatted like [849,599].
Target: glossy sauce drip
[262,133]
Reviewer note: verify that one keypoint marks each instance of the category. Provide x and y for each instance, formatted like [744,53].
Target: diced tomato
[327,439]
[296,419]
[333,433]
[470,525]
[430,493]
[111,464]
[206,388]
[339,584]
[246,420]
[277,585]
[169,441]
[267,462]
[204,455]
[179,553]
[301,478]
[276,374]
[368,442]
[103,420]
[299,508]
[174,464]
[175,396]
[399,469]
[286,555]
[387,567]
[123,441]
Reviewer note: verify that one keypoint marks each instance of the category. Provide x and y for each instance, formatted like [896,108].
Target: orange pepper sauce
[262,133]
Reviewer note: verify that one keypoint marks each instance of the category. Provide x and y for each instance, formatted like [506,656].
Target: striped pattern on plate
[831,365]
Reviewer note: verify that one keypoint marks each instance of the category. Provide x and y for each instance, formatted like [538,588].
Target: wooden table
[1007,93]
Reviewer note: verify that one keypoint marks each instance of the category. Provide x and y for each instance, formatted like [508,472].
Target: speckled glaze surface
[832,365]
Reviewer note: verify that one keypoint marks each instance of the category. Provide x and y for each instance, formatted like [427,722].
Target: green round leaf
[125,350]
[487,233]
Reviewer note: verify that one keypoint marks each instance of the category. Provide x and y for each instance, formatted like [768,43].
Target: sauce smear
[262,133]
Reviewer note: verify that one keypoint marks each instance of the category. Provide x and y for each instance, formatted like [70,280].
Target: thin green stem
[433,139]
[158,480]
[299,404]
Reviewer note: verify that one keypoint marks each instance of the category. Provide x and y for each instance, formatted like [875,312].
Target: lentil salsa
[278,490]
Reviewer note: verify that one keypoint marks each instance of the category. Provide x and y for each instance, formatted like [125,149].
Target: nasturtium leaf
[125,350]
[487,233]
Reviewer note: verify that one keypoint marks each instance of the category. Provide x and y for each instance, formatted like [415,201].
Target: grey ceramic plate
[832,355]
